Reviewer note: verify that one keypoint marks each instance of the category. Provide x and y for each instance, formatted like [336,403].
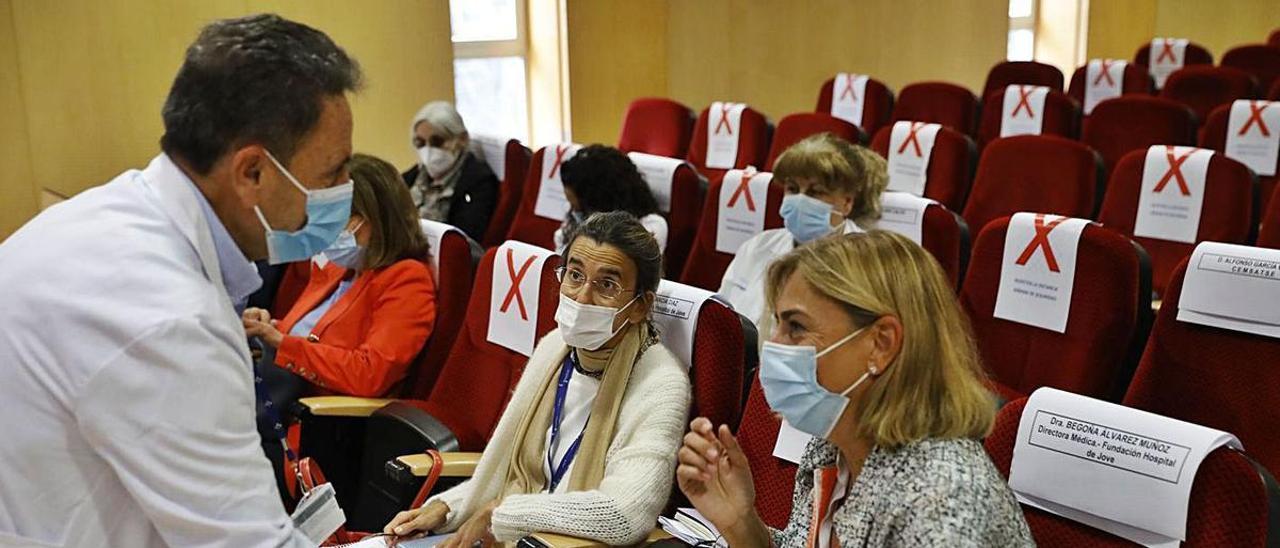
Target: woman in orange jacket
[369,304]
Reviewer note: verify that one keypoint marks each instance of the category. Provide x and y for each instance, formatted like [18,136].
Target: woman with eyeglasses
[586,447]
[873,358]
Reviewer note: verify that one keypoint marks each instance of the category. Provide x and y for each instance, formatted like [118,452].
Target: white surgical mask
[437,160]
[587,326]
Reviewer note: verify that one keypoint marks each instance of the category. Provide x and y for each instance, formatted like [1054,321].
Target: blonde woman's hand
[714,474]
[424,519]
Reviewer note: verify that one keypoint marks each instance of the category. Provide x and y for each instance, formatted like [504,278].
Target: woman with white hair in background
[449,183]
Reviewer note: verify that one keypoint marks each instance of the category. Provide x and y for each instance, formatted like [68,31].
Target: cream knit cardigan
[639,465]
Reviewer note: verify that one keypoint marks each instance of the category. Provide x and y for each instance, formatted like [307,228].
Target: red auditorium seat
[1135,80]
[1274,94]
[688,190]
[1262,61]
[1269,232]
[1273,39]
[1227,214]
[526,225]
[1022,72]
[1110,305]
[1216,377]
[796,127]
[515,165]
[1213,135]
[657,126]
[1232,502]
[1204,88]
[453,264]
[1196,54]
[1132,122]
[877,105]
[753,143]
[774,478]
[938,103]
[1034,173]
[951,165]
[705,266]
[946,236]
[1061,115]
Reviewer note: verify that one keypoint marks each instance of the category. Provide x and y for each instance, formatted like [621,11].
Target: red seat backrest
[1034,173]
[718,358]
[526,225]
[795,127]
[946,236]
[753,143]
[688,191]
[1262,61]
[705,266]
[1274,94]
[1227,214]
[1135,80]
[939,103]
[513,173]
[1110,301]
[1211,376]
[1269,231]
[1204,88]
[454,278]
[1061,116]
[1131,122]
[1230,498]
[877,105]
[1273,39]
[657,126]
[1213,135]
[1196,55]
[951,165]
[476,381]
[773,477]
[1022,72]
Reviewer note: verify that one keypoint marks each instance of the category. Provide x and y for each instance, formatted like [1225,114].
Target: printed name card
[1253,135]
[1023,112]
[494,151]
[910,146]
[1115,468]
[847,97]
[1167,56]
[724,124]
[1172,193]
[1232,287]
[743,197]
[513,303]
[791,443]
[1104,79]
[904,213]
[676,308]
[551,202]
[660,173]
[1039,270]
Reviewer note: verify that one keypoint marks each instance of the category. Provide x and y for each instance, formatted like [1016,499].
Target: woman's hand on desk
[476,531]
[714,474]
[258,323]
[425,519]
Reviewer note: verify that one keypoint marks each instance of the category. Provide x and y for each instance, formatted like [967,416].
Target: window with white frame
[490,66]
[1022,30]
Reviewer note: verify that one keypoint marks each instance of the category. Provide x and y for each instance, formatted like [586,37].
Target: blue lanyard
[273,416]
[562,389]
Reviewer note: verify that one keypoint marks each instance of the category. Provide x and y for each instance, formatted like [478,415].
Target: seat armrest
[453,465]
[342,406]
[553,540]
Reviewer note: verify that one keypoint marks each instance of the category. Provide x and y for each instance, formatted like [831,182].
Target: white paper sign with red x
[1023,110]
[847,97]
[724,128]
[513,301]
[743,198]
[1172,193]
[551,201]
[910,147]
[1253,135]
[1104,79]
[1038,272]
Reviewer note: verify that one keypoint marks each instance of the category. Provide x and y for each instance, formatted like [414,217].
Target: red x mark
[1166,50]
[912,140]
[744,191]
[1041,239]
[1105,74]
[560,152]
[1255,115]
[848,88]
[724,119]
[1175,172]
[1024,93]
[514,292]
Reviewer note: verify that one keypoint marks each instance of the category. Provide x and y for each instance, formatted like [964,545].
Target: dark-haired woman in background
[601,178]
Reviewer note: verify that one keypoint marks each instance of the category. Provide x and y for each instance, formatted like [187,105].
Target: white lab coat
[744,280]
[128,403]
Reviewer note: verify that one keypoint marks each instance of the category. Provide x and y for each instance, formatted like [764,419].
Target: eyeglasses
[573,279]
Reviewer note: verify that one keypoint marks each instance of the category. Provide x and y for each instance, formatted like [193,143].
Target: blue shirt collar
[239,275]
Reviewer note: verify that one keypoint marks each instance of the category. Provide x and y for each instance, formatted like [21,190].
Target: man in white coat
[125,380]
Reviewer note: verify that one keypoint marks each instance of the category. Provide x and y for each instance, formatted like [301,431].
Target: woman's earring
[871,368]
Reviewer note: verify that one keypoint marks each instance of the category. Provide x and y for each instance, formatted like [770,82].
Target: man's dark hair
[605,179]
[258,79]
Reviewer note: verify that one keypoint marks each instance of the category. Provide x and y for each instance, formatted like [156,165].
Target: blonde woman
[832,188]
[871,356]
